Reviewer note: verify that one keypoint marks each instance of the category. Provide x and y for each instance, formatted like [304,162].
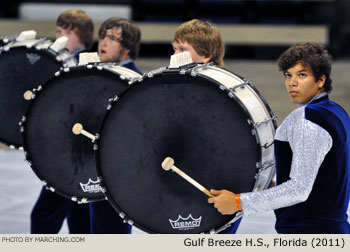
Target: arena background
[255,33]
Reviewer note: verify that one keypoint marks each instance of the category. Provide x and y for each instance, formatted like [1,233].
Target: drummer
[312,152]
[204,42]
[78,27]
[51,209]
[119,42]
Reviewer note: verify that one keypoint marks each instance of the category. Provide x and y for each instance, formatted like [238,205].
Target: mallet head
[168,163]
[77,128]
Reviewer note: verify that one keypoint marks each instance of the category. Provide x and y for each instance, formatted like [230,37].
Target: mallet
[78,129]
[28,95]
[168,164]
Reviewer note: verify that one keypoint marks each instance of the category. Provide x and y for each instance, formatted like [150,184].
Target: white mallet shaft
[168,164]
[78,129]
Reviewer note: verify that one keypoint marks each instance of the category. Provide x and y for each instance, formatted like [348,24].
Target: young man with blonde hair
[78,27]
[51,209]
[202,40]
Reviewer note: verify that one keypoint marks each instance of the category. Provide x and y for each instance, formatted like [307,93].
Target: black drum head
[197,124]
[66,161]
[21,69]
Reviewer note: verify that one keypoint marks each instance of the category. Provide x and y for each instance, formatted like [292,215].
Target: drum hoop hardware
[237,216]
[242,85]
[258,124]
[263,167]
[83,201]
[267,145]
[51,189]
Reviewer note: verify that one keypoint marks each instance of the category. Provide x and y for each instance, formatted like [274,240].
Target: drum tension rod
[257,124]
[263,168]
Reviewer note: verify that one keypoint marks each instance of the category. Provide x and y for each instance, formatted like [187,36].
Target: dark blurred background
[252,22]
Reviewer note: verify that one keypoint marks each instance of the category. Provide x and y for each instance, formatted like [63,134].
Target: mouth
[102,51]
[293,93]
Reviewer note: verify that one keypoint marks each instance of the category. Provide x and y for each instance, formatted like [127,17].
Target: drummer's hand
[224,201]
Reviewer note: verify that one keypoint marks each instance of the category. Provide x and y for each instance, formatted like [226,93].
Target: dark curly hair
[311,55]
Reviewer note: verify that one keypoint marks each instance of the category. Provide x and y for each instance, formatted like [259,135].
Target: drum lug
[222,87]
[30,164]
[103,189]
[83,201]
[254,132]
[258,165]
[263,167]
[233,89]
[230,94]
[257,124]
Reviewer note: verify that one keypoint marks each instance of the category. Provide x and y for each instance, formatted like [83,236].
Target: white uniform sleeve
[309,143]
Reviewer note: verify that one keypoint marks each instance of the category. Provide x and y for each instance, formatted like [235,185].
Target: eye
[302,75]
[287,75]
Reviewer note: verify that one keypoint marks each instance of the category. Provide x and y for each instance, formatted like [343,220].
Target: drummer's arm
[309,149]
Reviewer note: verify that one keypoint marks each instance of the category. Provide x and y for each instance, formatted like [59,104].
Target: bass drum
[213,123]
[24,65]
[62,160]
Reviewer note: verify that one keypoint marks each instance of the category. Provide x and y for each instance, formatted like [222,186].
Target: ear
[206,59]
[125,54]
[321,81]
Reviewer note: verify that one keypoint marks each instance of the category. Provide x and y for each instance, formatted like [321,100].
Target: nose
[177,52]
[293,81]
[102,40]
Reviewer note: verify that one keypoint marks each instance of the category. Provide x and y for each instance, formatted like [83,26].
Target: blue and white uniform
[312,151]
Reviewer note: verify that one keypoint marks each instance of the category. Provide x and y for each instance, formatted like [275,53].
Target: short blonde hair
[204,38]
